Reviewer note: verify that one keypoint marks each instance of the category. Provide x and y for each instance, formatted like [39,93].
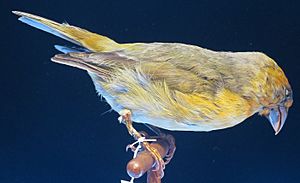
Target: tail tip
[19,13]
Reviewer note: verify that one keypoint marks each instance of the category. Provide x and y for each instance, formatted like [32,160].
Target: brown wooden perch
[144,162]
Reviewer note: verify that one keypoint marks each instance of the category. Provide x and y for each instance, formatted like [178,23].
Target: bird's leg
[125,117]
[169,138]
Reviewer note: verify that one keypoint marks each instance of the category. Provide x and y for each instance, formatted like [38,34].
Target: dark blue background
[51,126]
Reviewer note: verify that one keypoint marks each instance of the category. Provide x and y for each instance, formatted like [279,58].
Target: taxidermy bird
[175,86]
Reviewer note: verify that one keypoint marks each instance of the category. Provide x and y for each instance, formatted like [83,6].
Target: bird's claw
[159,163]
[172,147]
[144,138]
[131,147]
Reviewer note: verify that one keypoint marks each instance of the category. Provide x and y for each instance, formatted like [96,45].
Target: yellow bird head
[277,95]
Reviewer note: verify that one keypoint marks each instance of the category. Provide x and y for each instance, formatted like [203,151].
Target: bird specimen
[174,86]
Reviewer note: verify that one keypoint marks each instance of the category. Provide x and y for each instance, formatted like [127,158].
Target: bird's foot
[172,147]
[159,165]
[144,138]
[166,137]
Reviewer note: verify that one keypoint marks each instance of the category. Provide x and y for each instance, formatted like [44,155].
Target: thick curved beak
[277,117]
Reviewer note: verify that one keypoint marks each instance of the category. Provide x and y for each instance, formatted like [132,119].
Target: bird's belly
[147,113]
[168,123]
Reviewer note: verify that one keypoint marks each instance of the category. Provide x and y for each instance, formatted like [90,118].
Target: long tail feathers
[76,35]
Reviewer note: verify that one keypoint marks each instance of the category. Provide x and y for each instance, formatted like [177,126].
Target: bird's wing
[179,66]
[191,68]
[183,67]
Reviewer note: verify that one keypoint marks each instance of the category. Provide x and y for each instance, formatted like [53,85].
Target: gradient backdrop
[52,129]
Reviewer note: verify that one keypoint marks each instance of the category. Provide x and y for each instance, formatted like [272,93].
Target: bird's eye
[288,99]
[288,93]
